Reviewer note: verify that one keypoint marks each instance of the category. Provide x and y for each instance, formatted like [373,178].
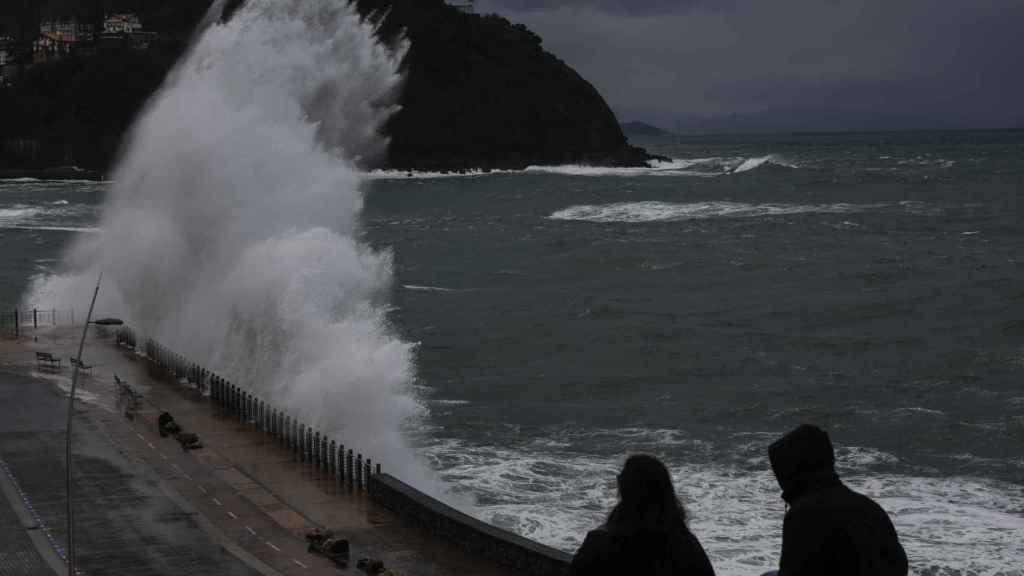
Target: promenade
[240,505]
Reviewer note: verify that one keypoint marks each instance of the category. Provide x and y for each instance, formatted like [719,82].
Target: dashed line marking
[232,514]
[251,531]
[299,563]
[164,456]
[217,502]
[140,436]
[271,544]
[201,489]
[151,447]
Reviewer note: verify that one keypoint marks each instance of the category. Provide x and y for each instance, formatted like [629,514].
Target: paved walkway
[246,492]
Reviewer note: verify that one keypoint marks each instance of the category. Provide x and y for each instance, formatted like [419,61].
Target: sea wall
[351,468]
[472,535]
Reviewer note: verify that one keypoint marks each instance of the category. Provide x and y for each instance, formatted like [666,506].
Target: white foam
[84,229]
[753,163]
[427,175]
[229,232]
[17,213]
[417,288]
[554,494]
[638,212]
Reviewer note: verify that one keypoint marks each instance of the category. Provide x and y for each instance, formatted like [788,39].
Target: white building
[71,31]
[121,24]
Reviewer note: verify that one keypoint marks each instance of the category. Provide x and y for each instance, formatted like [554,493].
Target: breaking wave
[670,211]
[700,167]
[552,491]
[229,229]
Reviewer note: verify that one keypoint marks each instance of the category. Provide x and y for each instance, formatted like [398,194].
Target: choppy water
[873,284]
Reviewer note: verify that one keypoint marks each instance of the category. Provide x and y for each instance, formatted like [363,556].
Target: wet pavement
[240,505]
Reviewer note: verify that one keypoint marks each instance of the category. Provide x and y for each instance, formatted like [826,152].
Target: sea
[565,317]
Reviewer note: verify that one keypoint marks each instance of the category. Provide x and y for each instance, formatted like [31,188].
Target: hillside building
[121,24]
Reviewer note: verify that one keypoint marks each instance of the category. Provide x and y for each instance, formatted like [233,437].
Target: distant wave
[700,167]
[4,181]
[752,163]
[416,288]
[86,229]
[426,175]
[17,213]
[670,211]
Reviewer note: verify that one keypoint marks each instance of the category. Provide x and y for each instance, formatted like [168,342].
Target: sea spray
[229,229]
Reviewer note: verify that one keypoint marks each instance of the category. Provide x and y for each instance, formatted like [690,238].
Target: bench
[79,364]
[47,357]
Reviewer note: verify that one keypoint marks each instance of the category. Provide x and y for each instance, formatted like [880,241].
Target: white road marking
[232,514]
[140,436]
[217,502]
[201,489]
[271,544]
[164,456]
[299,563]
[151,447]
[251,531]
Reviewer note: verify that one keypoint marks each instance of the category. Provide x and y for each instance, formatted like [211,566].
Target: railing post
[35,318]
[341,463]
[368,467]
[349,472]
[17,327]
[53,316]
[378,468]
[317,463]
[359,471]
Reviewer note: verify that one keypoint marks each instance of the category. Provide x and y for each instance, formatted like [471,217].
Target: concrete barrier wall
[472,535]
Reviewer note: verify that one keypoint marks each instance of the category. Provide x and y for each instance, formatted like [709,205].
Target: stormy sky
[792,64]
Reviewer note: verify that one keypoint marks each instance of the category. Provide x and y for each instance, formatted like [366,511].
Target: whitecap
[752,163]
[555,496]
[670,211]
[417,288]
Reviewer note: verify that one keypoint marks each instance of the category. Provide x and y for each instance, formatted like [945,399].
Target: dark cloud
[911,63]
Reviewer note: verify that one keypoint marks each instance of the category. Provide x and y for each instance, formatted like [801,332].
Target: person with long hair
[646,531]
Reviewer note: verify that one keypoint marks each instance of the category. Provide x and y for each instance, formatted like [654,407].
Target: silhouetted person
[829,529]
[646,532]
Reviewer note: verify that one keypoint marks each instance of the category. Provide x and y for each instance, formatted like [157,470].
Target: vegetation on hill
[479,92]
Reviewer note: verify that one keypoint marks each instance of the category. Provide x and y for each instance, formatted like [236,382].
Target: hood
[801,460]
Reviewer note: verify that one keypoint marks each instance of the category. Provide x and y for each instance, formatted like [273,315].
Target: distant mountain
[643,129]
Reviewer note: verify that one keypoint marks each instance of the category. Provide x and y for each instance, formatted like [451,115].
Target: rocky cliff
[482,92]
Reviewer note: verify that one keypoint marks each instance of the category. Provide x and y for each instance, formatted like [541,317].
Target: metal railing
[309,445]
[15,320]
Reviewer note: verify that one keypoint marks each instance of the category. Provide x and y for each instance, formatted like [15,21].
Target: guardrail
[351,468]
[14,320]
[309,445]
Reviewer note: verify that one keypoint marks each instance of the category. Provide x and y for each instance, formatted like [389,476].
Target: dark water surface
[873,284]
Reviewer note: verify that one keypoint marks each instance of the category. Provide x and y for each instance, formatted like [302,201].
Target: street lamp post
[71,411]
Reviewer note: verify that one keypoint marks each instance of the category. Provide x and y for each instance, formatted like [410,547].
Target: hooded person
[829,529]
[646,532]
